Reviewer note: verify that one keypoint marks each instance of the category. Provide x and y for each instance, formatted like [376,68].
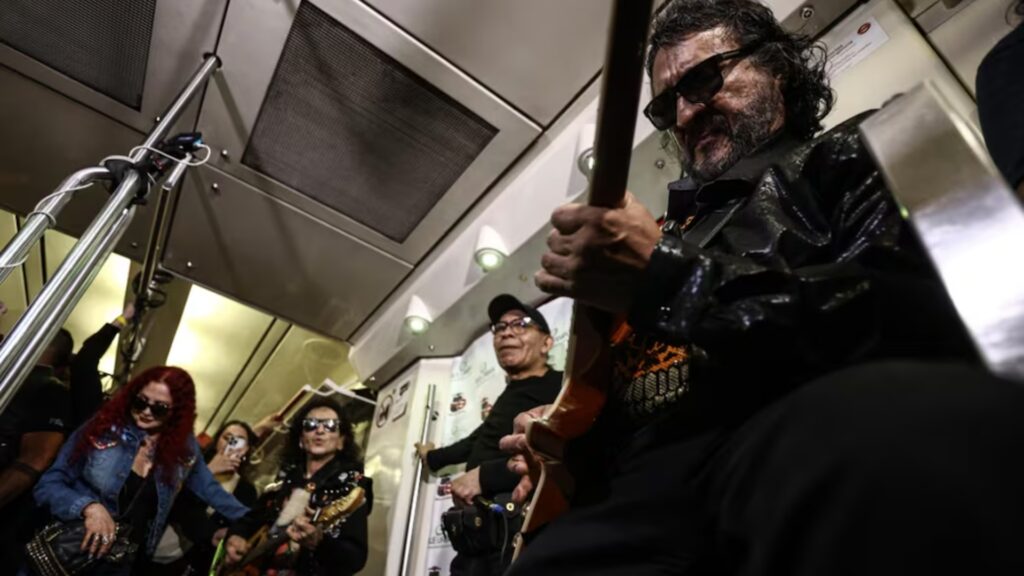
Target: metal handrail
[410,525]
[43,217]
[48,312]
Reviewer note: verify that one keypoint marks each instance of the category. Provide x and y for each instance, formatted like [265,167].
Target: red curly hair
[175,445]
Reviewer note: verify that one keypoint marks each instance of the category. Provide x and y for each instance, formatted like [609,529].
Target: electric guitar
[588,367]
[269,539]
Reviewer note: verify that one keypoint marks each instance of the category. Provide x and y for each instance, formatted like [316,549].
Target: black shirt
[41,405]
[86,386]
[137,505]
[1000,91]
[480,448]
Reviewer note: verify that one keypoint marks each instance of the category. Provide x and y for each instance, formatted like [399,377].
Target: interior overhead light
[417,316]
[490,250]
[585,150]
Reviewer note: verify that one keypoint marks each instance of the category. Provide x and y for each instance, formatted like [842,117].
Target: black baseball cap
[503,303]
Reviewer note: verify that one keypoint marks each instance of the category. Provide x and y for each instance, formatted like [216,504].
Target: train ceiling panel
[536,54]
[126,60]
[235,239]
[46,137]
[332,109]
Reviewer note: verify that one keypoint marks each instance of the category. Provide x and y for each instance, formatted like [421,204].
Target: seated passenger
[797,395]
[522,340]
[323,465]
[130,462]
[32,430]
[1000,90]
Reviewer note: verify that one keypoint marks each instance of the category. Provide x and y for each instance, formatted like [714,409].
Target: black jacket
[794,264]
[343,550]
[480,448]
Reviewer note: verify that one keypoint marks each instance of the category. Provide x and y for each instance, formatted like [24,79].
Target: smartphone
[235,444]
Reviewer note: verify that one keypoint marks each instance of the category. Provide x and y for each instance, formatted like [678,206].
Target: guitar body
[589,367]
[266,542]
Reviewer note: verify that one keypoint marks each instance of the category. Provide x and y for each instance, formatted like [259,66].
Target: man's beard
[751,128]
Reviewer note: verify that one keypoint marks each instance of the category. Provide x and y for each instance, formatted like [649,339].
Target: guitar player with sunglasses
[313,519]
[792,391]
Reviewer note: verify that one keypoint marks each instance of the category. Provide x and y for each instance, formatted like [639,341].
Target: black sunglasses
[159,410]
[698,86]
[329,424]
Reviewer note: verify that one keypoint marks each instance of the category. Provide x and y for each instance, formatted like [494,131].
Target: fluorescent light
[490,249]
[417,316]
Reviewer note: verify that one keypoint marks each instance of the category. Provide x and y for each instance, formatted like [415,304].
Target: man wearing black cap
[522,340]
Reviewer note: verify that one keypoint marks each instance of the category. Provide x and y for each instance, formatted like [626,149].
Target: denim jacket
[67,488]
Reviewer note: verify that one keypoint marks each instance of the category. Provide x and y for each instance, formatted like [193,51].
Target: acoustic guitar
[269,539]
[588,367]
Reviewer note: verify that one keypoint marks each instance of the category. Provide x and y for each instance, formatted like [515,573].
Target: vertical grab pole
[48,312]
[410,526]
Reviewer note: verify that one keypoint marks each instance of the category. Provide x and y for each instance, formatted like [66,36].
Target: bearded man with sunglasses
[796,395]
[522,340]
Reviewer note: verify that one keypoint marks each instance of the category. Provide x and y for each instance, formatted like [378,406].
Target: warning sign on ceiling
[865,37]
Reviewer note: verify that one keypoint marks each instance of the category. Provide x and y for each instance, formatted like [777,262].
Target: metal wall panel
[966,37]
[46,137]
[253,37]
[183,30]
[240,241]
[537,54]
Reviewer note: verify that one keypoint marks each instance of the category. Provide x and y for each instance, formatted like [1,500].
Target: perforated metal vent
[346,124]
[103,44]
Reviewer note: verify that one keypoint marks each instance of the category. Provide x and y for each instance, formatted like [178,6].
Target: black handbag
[56,550]
[484,528]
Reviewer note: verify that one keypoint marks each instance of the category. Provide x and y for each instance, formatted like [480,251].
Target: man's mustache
[706,122]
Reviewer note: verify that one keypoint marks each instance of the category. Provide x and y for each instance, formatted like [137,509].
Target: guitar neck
[620,100]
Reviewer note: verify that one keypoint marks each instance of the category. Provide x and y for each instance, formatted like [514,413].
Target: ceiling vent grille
[347,125]
[103,44]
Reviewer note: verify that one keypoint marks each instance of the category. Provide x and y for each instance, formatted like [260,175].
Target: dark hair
[349,453]
[62,346]
[175,446]
[251,438]
[796,60]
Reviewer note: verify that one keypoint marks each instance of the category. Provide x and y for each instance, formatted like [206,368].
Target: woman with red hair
[129,462]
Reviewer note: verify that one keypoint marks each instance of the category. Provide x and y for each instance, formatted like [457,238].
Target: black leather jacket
[795,263]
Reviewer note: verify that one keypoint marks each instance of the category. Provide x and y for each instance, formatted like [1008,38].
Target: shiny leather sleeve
[814,270]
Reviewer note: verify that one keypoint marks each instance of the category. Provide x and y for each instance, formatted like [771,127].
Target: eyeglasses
[159,410]
[518,326]
[329,424]
[698,86]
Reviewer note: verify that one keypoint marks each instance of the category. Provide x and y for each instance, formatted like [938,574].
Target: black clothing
[343,549]
[86,386]
[190,519]
[887,469]
[138,500]
[41,405]
[780,278]
[1000,90]
[793,265]
[480,448]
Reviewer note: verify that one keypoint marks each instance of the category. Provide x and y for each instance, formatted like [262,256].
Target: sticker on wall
[864,37]
[384,410]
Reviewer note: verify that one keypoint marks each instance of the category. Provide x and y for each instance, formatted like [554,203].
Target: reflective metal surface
[22,347]
[16,251]
[964,213]
[183,30]
[521,50]
[239,241]
[253,37]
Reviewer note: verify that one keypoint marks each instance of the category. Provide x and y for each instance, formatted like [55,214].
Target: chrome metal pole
[410,525]
[160,220]
[44,317]
[43,218]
